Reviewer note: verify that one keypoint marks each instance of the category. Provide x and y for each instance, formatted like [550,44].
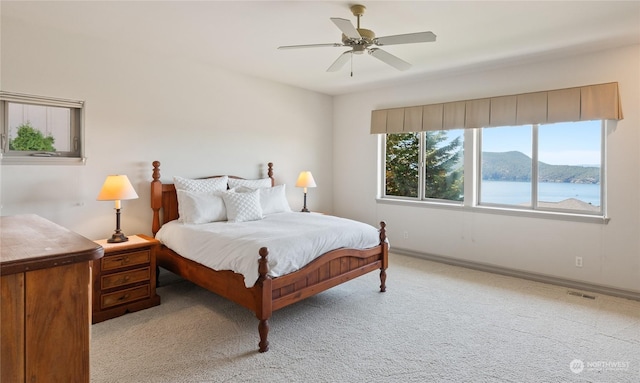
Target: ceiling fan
[361,40]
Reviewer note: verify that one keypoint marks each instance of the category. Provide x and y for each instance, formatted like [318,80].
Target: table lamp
[305,180]
[117,188]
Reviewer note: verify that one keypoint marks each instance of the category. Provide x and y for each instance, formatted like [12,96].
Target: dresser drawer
[124,296]
[120,279]
[128,259]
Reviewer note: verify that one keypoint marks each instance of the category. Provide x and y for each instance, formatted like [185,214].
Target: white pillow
[274,200]
[201,207]
[243,207]
[253,184]
[205,185]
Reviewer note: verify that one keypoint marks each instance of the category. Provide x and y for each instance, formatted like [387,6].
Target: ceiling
[243,36]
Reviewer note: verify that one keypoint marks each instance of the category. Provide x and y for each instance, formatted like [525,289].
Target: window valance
[591,102]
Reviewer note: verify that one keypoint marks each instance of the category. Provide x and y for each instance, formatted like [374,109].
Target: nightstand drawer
[124,296]
[125,278]
[128,259]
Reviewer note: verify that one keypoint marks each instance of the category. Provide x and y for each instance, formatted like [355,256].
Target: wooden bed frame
[268,294]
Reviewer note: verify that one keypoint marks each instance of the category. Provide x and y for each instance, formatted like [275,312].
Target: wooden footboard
[268,294]
[327,271]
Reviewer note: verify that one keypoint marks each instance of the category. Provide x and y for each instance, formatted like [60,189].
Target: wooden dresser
[45,305]
[124,280]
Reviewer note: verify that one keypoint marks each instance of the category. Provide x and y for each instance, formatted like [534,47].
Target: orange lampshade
[117,187]
[305,180]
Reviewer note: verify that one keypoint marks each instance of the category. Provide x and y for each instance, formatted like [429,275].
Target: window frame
[15,157]
[472,147]
[421,172]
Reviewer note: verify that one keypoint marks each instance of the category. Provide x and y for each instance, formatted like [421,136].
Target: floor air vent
[579,294]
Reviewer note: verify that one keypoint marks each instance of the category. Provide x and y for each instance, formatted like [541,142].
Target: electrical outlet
[405,235]
[578,261]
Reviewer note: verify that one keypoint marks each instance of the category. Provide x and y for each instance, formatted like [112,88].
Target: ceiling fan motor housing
[367,39]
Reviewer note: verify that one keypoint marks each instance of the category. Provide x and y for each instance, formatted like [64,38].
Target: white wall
[201,120]
[611,252]
[197,120]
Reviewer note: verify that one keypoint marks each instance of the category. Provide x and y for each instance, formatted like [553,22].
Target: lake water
[515,193]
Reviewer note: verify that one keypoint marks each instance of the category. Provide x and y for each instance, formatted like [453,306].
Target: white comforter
[293,239]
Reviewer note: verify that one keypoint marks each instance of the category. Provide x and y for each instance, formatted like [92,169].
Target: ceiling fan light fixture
[359,49]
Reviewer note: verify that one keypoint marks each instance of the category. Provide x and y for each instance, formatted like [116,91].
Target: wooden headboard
[164,197]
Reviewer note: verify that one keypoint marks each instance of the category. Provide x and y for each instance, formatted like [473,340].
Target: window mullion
[534,166]
[603,167]
[422,176]
[382,142]
[472,171]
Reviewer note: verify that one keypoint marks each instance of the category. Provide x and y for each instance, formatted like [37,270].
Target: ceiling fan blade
[390,59]
[339,63]
[347,28]
[310,46]
[409,38]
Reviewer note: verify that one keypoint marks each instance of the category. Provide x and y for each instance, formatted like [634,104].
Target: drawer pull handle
[126,296]
[122,260]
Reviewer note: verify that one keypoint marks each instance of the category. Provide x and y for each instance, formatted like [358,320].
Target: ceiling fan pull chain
[352,65]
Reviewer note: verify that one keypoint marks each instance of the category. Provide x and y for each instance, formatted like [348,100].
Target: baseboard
[522,274]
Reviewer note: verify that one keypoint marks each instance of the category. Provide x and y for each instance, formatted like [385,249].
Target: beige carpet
[435,323]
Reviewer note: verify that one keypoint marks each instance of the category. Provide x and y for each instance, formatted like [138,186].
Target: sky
[573,143]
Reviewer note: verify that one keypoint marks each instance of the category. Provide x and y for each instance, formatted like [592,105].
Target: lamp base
[304,207]
[117,238]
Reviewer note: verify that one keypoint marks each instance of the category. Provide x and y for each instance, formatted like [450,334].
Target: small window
[425,165]
[506,166]
[444,165]
[402,165]
[570,166]
[40,129]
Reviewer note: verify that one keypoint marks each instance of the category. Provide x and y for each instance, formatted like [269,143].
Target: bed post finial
[383,232]
[270,173]
[156,170]
[263,264]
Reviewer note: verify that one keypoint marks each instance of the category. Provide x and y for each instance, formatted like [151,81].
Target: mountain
[516,166]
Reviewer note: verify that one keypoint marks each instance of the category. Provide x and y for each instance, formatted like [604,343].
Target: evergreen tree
[444,170]
[402,164]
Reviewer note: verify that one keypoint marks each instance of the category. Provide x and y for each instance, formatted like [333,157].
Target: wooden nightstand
[124,280]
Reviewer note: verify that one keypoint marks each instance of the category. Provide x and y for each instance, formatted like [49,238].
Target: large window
[554,167]
[425,165]
[35,129]
[544,167]
[518,154]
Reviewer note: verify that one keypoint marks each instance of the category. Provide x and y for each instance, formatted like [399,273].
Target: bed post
[264,308]
[156,197]
[385,259]
[270,173]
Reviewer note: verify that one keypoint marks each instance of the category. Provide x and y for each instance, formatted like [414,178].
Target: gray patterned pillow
[243,207]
